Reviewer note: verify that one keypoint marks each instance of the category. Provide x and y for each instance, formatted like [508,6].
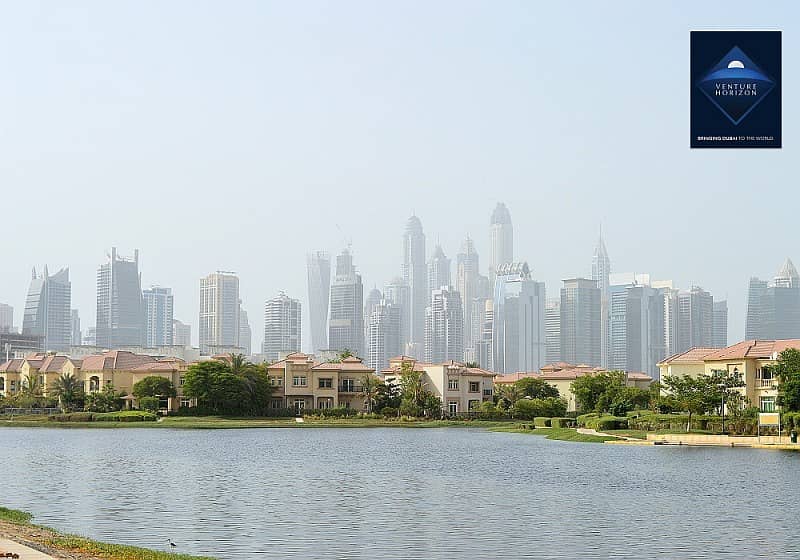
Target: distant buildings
[689,320]
[6,317]
[219,313]
[438,270]
[518,320]
[580,322]
[245,332]
[158,306]
[501,239]
[48,311]
[474,290]
[120,307]
[398,293]
[601,269]
[415,274]
[75,327]
[346,319]
[444,327]
[384,340]
[720,337]
[282,327]
[552,330]
[636,327]
[773,308]
[319,286]
[181,334]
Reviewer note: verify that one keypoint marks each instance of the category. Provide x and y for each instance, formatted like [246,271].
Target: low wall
[704,439]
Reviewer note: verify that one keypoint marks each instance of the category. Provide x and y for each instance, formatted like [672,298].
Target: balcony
[350,388]
[766,383]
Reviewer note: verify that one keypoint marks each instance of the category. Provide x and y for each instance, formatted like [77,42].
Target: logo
[736,85]
[735,89]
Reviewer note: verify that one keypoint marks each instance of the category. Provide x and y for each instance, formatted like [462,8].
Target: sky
[242,135]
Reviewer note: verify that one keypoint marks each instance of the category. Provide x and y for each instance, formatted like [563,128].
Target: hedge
[72,417]
[562,422]
[607,423]
[541,422]
[126,416]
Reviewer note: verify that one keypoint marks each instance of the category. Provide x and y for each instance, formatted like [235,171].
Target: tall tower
[245,332]
[319,289]
[346,322]
[120,307]
[468,286]
[219,313]
[48,310]
[501,239]
[580,322]
[444,324]
[601,268]
[158,305]
[282,326]
[383,334]
[438,270]
[720,324]
[415,274]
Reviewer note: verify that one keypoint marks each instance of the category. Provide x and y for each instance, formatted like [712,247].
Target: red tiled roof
[115,360]
[759,349]
[163,366]
[11,366]
[689,356]
[53,364]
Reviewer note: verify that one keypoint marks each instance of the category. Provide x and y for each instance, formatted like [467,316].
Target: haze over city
[265,132]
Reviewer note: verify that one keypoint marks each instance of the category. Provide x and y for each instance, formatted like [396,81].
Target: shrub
[607,423]
[149,403]
[389,412]
[562,422]
[126,416]
[541,422]
[583,419]
[335,412]
[528,409]
[490,411]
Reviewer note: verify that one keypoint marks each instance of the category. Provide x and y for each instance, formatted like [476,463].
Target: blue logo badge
[736,85]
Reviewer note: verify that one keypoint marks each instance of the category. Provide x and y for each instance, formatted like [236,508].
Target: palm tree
[67,388]
[238,363]
[32,387]
[509,392]
[369,388]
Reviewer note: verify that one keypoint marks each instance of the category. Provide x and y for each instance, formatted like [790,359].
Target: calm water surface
[402,493]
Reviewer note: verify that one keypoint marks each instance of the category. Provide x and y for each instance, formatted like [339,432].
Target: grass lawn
[20,523]
[560,434]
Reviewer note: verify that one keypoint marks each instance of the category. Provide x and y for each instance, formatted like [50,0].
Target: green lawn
[560,434]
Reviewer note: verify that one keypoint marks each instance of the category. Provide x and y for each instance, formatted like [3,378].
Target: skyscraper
[773,308]
[720,324]
[601,268]
[518,320]
[415,274]
[346,319]
[120,307]
[181,334]
[6,317]
[398,294]
[374,298]
[75,322]
[158,306]
[501,239]
[282,327]
[688,319]
[383,335]
[636,327]
[245,332]
[444,327]
[319,289]
[552,330]
[580,322]
[48,311]
[438,270]
[219,313]
[468,286]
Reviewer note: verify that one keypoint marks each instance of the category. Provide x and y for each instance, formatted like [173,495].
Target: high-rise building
[484,345]
[580,322]
[438,270]
[444,327]
[48,311]
[219,313]
[773,308]
[75,323]
[181,334]
[398,294]
[636,328]
[90,337]
[518,320]
[720,324]
[282,327]
[319,289]
[415,274]
[501,239]
[688,320]
[346,318]
[245,332]
[6,318]
[601,269]
[158,308]
[552,330]
[383,335]
[374,298]
[468,286]
[120,307]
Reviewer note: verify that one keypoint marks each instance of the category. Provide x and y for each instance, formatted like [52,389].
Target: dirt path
[34,537]
[591,432]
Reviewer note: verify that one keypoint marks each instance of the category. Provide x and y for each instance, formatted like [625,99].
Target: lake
[401,493]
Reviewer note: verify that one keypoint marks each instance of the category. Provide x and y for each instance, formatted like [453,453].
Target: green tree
[387,397]
[68,390]
[788,371]
[528,409]
[369,389]
[691,394]
[536,388]
[154,386]
[106,400]
[507,394]
[31,386]
[220,391]
[596,392]
[238,363]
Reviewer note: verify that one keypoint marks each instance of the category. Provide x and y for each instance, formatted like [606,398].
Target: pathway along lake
[401,493]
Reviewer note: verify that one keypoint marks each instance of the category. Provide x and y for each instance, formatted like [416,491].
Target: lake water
[402,493]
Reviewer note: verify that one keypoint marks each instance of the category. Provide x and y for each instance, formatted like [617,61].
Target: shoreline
[17,526]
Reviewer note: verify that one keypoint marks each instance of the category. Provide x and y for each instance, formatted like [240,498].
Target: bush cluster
[124,416]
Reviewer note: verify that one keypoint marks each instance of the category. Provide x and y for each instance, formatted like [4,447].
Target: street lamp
[724,388]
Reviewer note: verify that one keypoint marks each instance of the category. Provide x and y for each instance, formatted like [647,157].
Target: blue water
[402,493]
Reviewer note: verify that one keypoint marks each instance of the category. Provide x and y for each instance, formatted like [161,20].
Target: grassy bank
[560,434]
[18,524]
[216,422]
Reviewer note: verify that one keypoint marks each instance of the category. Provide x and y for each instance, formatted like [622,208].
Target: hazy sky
[241,135]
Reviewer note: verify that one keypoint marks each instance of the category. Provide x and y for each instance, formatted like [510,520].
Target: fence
[28,411]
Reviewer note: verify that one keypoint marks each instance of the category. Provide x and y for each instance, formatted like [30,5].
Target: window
[2,383]
[299,404]
[349,385]
[181,381]
[276,403]
[185,402]
[276,381]
[452,407]
[325,383]
[767,404]
[452,383]
[299,381]
[325,404]
[94,383]
[487,392]
[765,372]
[41,380]
[474,386]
